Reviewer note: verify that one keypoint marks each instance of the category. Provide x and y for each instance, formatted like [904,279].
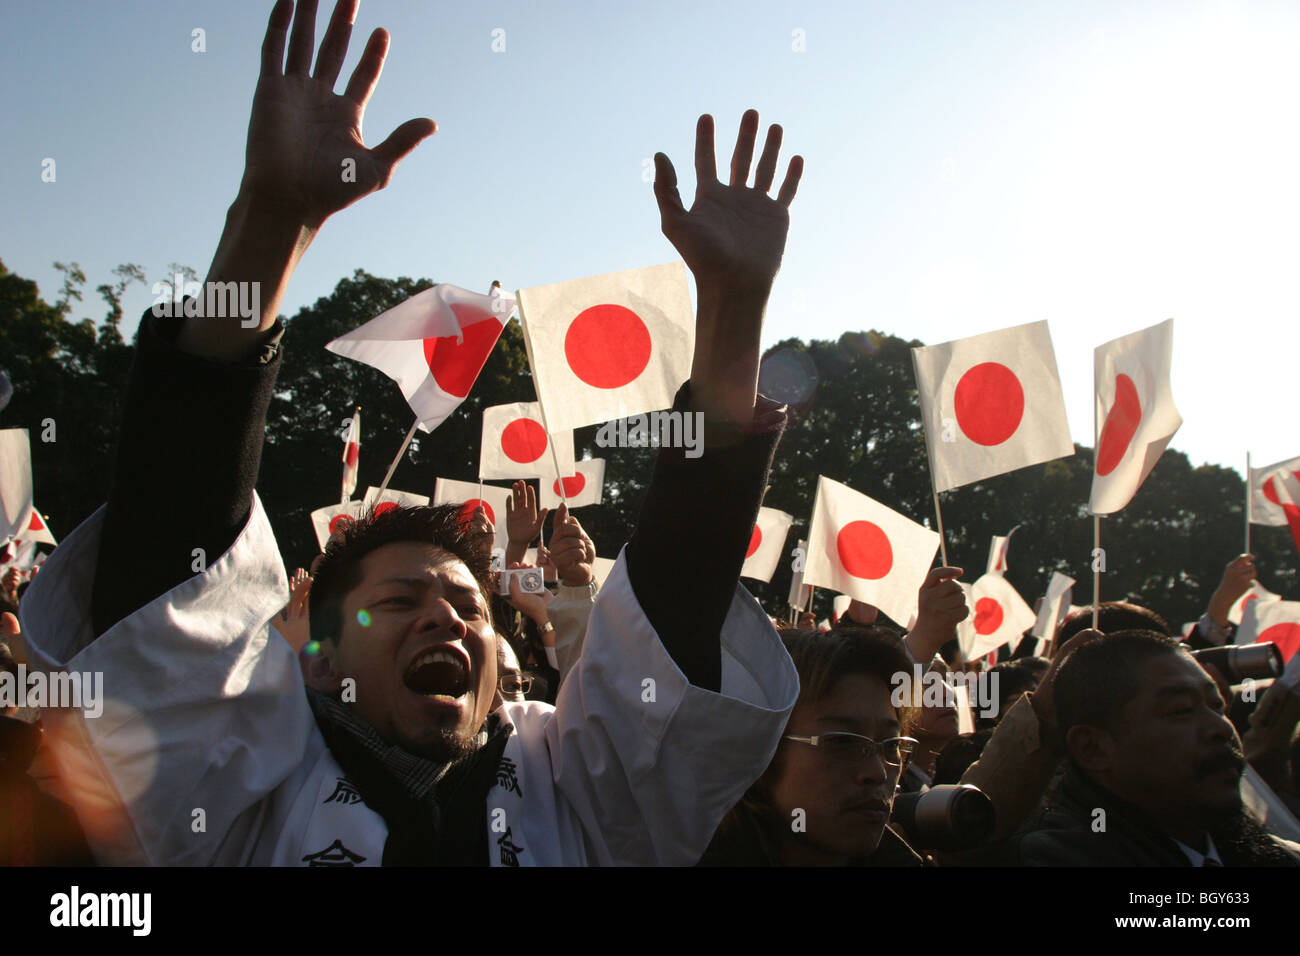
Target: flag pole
[1248,514]
[938,517]
[1096,569]
[398,457]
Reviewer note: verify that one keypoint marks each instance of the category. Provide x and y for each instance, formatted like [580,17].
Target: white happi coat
[207,752]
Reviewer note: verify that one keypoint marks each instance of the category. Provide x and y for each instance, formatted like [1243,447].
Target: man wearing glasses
[826,798]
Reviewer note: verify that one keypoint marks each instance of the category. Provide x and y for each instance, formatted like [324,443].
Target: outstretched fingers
[791,184]
[366,75]
[744,152]
[401,141]
[669,199]
[706,165]
[273,45]
[334,48]
[767,162]
[302,42]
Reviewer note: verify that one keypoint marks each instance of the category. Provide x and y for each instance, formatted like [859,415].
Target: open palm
[302,134]
[733,234]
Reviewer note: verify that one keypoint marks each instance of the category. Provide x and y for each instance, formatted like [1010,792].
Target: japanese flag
[998,616]
[998,552]
[516,445]
[37,529]
[1268,492]
[1257,592]
[1135,411]
[991,404]
[858,547]
[609,346]
[15,482]
[585,486]
[840,605]
[351,455]
[433,346]
[326,521]
[766,544]
[392,498]
[799,592]
[1276,621]
[1286,488]
[492,497]
[1055,606]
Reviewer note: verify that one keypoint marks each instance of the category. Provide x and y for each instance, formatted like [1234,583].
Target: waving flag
[516,444]
[861,548]
[1275,621]
[1267,504]
[1257,592]
[492,497]
[585,486]
[998,616]
[15,482]
[1055,607]
[326,521]
[766,544]
[392,498]
[37,529]
[998,552]
[351,455]
[609,346]
[1135,413]
[433,346]
[991,403]
[1285,486]
[840,605]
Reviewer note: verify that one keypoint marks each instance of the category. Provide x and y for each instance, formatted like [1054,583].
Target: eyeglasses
[845,747]
[515,685]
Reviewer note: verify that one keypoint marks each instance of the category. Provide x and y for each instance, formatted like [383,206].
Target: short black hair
[442,526]
[1113,617]
[822,658]
[1099,679]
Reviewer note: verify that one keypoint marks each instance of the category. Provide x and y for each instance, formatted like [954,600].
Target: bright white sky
[1103,166]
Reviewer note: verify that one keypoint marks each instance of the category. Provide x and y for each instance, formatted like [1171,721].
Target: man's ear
[320,671]
[1092,748]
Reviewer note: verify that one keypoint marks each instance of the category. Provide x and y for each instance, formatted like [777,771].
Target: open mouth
[438,672]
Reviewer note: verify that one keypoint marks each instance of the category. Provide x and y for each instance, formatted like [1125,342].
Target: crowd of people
[390,705]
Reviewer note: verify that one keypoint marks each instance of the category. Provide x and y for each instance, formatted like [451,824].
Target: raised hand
[523,520]
[1238,576]
[302,134]
[732,238]
[734,234]
[571,550]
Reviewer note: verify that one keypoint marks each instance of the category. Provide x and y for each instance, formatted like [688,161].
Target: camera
[946,817]
[1240,662]
[530,581]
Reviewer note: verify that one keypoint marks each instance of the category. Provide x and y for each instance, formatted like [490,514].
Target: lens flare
[363,617]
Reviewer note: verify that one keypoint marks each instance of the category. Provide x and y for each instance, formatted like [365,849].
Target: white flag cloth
[516,445]
[37,529]
[766,544]
[840,605]
[1267,504]
[585,486]
[799,592]
[861,548]
[1276,621]
[15,482]
[351,455]
[990,404]
[492,497]
[1135,412]
[609,346]
[1257,592]
[433,346]
[998,552]
[998,616]
[1055,606]
[392,498]
[17,554]
[325,521]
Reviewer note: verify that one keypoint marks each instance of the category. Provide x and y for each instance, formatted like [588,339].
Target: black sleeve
[188,452]
[684,557]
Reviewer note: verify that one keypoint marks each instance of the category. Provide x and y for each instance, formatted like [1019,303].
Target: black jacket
[1063,834]
[740,841]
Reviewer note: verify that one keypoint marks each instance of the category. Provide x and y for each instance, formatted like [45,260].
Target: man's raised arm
[191,434]
[685,555]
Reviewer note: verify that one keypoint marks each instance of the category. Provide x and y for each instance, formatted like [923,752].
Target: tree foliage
[855,418]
